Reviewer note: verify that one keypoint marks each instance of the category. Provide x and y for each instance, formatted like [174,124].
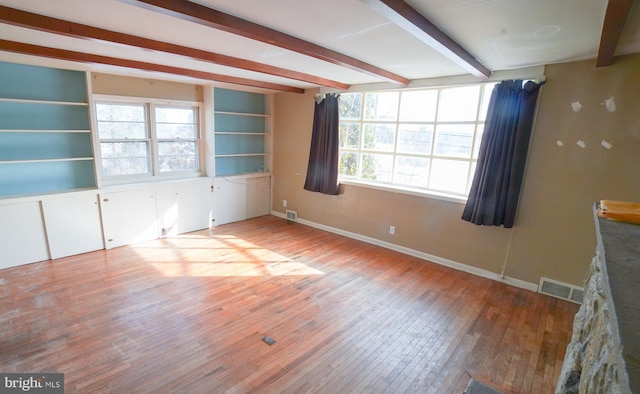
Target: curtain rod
[535,74]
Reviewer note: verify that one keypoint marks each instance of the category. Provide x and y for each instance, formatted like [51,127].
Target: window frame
[150,106]
[362,121]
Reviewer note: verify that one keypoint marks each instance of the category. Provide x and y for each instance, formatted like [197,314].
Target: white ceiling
[501,34]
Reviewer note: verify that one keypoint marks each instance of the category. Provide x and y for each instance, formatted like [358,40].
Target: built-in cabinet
[22,236]
[183,207]
[72,224]
[157,210]
[50,202]
[240,198]
[242,129]
[129,216]
[54,226]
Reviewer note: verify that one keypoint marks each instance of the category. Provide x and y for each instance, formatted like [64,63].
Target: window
[418,139]
[145,139]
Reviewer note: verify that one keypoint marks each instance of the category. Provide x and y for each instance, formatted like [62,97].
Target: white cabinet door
[230,200]
[194,206]
[22,236]
[258,196]
[184,207]
[167,206]
[128,217]
[73,225]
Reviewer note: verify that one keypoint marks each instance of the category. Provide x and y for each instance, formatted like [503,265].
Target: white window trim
[398,188]
[405,190]
[154,175]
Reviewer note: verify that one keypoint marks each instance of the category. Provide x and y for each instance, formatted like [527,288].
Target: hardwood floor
[188,314]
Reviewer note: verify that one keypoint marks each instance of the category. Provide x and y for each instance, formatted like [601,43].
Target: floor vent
[560,290]
[292,215]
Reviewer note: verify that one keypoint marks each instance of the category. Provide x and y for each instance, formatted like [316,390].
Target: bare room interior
[162,232]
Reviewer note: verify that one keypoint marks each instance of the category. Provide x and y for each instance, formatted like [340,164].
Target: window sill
[406,190]
[125,180]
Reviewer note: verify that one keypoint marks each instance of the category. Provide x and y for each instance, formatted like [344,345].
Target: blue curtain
[493,199]
[322,171]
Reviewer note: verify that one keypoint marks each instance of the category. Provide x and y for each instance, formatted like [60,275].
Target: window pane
[348,164]
[125,158]
[122,130]
[121,112]
[350,105]
[178,163]
[415,138]
[449,176]
[419,105]
[173,123]
[176,131]
[175,115]
[125,166]
[178,156]
[177,148]
[121,121]
[486,97]
[381,106]
[124,149]
[411,171]
[379,137]
[349,135]
[377,167]
[458,104]
[454,140]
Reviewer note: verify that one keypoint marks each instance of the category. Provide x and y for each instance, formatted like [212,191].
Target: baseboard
[416,253]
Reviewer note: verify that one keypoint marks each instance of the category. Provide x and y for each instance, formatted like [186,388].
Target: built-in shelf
[3,99]
[239,133]
[243,155]
[44,160]
[241,114]
[45,131]
[242,133]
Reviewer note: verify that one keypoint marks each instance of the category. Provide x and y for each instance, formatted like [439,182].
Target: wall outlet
[392,230]
[284,203]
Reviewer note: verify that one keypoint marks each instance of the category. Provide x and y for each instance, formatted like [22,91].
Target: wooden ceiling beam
[196,13]
[55,53]
[614,20]
[409,19]
[58,26]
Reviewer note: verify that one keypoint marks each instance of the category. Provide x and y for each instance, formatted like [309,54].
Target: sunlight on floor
[217,256]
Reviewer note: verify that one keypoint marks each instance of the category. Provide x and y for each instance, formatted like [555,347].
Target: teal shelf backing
[226,166]
[49,177]
[231,144]
[225,100]
[42,146]
[25,82]
[38,116]
[238,123]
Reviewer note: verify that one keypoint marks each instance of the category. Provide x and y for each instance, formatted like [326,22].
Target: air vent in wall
[560,290]
[292,215]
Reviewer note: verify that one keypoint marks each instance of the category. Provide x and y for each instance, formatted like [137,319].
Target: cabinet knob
[110,240]
[105,200]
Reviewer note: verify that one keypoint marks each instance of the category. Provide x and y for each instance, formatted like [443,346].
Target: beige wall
[141,87]
[553,235]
